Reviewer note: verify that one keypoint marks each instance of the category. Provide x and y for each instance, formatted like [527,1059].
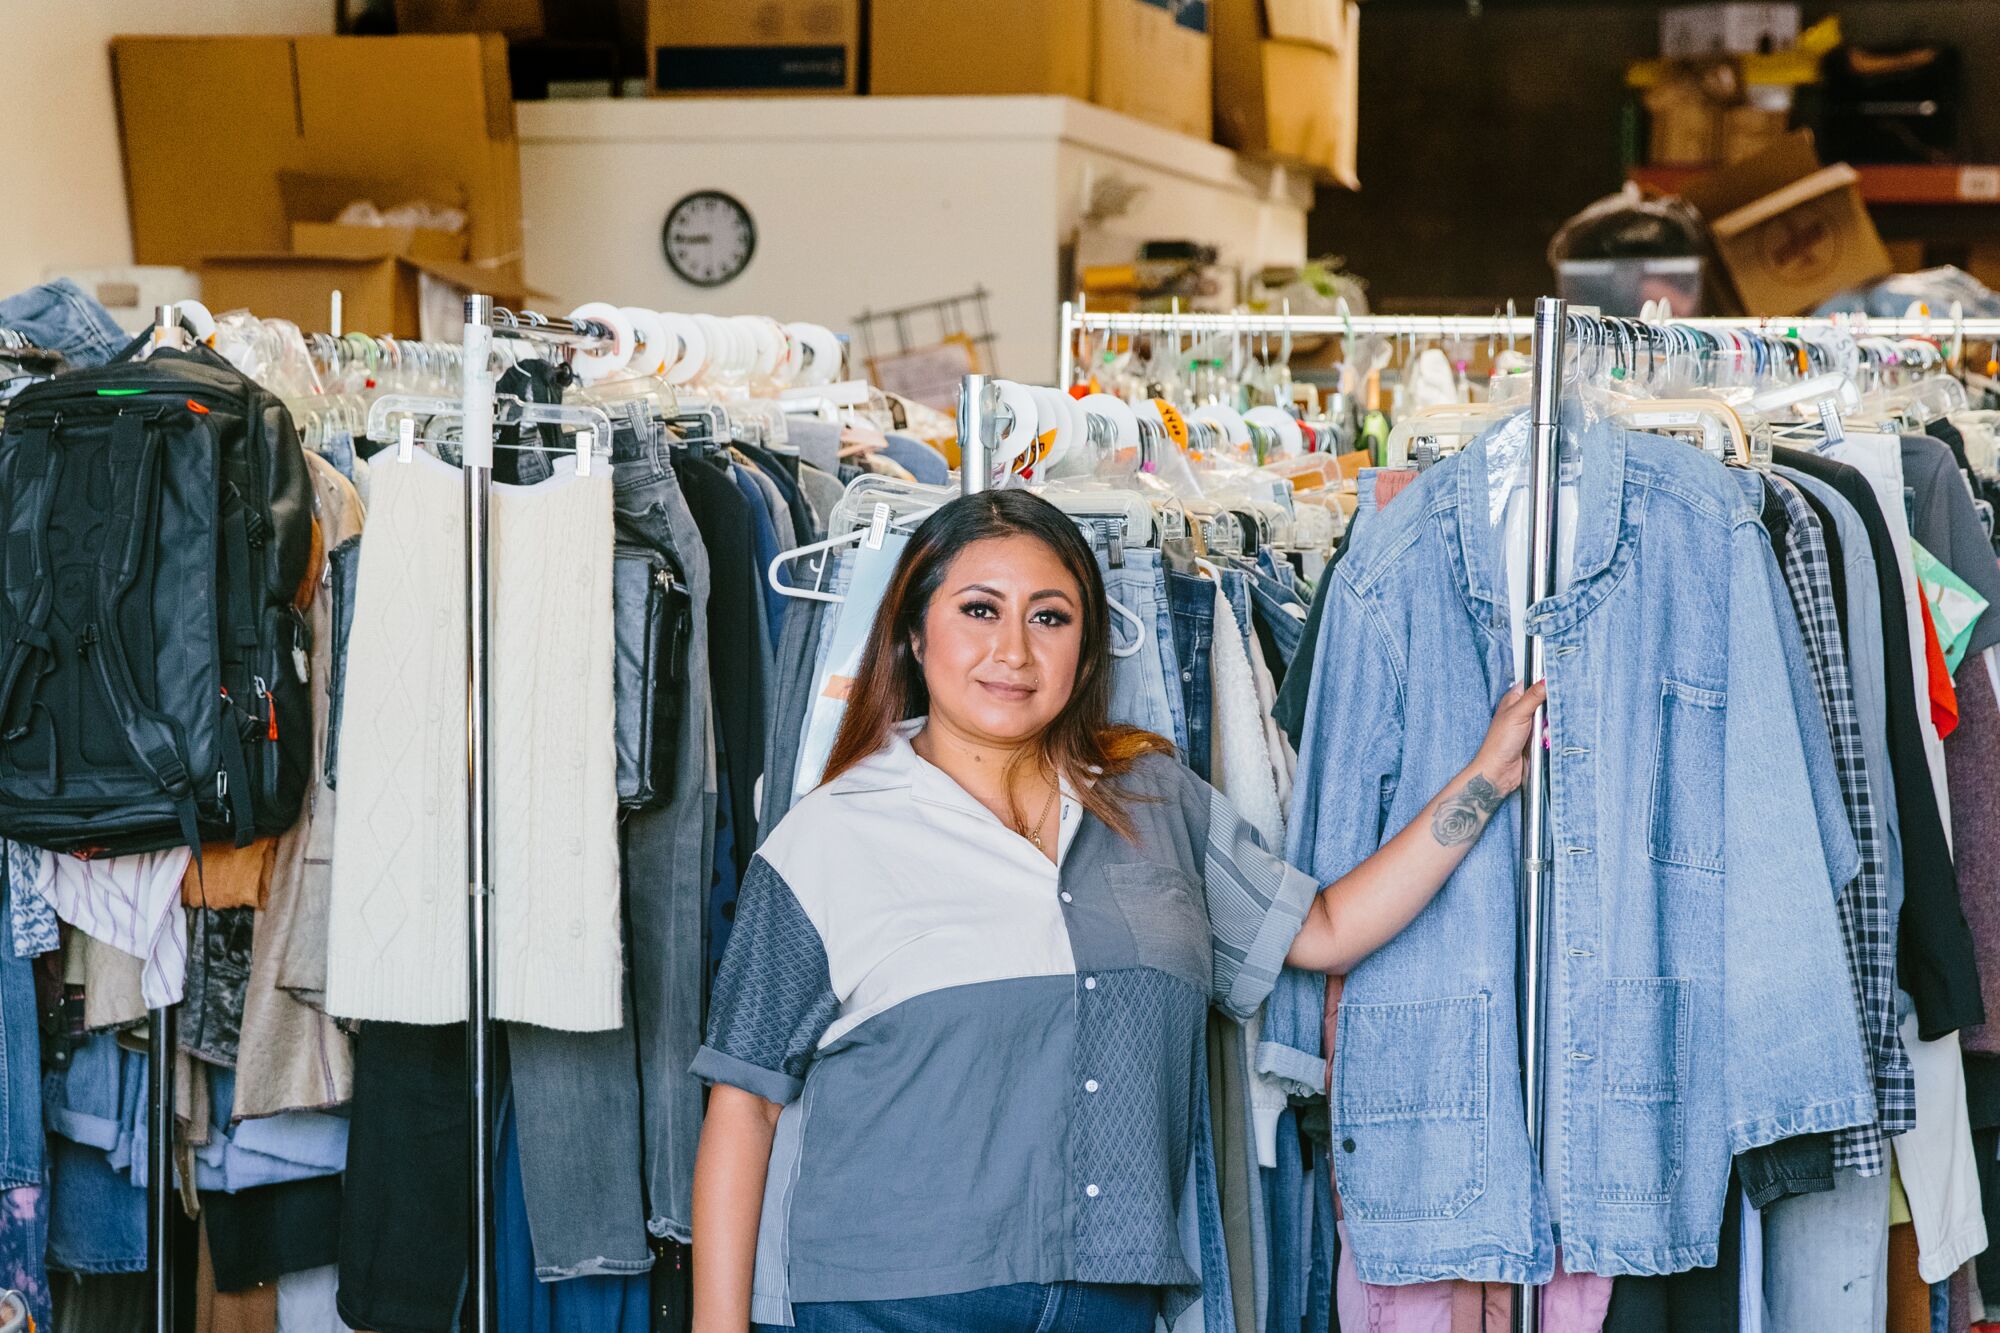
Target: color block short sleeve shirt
[989,1063]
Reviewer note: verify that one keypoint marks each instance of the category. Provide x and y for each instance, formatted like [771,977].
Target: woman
[972,969]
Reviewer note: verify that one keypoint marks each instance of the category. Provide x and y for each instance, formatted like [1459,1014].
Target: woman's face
[1001,640]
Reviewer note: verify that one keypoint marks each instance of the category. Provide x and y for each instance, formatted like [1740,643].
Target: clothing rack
[483,321]
[1076,319]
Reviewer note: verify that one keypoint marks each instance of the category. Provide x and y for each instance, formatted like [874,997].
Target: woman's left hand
[1502,755]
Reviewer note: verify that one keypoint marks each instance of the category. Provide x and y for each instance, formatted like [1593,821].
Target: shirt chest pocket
[1166,918]
[1686,827]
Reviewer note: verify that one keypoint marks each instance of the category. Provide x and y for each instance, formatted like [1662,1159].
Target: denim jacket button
[1347,1145]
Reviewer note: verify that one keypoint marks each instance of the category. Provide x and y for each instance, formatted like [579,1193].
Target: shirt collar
[1598,447]
[897,766]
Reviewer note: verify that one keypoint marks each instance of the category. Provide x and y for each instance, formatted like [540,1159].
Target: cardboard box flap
[1740,184]
[1820,182]
[1320,22]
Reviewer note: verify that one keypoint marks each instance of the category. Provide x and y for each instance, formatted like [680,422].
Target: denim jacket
[1699,1004]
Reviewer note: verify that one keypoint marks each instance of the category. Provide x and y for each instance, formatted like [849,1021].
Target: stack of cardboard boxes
[241,151]
[1275,79]
[1287,81]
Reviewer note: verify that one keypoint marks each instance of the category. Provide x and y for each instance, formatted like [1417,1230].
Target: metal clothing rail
[1076,319]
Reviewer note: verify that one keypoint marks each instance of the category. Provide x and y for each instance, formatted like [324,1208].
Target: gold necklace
[1035,836]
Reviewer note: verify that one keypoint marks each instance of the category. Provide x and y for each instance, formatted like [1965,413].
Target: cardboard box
[1147,58]
[210,123]
[311,204]
[1318,22]
[770,46]
[1749,130]
[1683,126]
[393,294]
[514,19]
[1789,232]
[1908,257]
[1287,97]
[1691,31]
[339,239]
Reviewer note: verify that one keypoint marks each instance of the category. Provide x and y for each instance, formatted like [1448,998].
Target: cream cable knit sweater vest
[396,935]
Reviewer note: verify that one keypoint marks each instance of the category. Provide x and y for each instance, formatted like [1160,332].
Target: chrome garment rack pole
[160,1073]
[476,378]
[975,427]
[482,321]
[1544,490]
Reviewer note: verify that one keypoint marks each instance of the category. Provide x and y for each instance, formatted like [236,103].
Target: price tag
[1979,184]
[1829,420]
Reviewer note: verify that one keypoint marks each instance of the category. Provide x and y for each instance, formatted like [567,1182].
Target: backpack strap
[31,597]
[156,742]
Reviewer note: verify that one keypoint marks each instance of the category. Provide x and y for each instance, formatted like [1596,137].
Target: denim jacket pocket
[1687,778]
[1163,910]
[1410,1101]
[1646,1044]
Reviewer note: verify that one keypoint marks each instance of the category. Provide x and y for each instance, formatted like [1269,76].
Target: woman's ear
[917,646]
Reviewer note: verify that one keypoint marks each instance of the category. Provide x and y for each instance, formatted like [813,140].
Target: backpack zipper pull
[270,708]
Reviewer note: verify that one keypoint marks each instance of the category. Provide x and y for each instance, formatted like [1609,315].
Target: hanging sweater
[397,925]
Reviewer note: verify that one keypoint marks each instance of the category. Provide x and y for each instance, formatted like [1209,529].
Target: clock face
[708,238]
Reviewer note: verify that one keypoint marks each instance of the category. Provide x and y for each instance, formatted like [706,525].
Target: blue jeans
[1826,1256]
[1192,600]
[1027,1307]
[1271,604]
[21,1149]
[61,317]
[97,1219]
[1218,1299]
[1145,689]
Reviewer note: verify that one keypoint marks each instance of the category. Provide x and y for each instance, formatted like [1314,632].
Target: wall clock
[708,238]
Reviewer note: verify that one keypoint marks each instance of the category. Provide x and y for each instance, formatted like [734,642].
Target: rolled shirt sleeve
[1256,905]
[773,997]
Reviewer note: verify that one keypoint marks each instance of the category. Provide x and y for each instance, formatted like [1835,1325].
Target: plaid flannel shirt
[1867,929]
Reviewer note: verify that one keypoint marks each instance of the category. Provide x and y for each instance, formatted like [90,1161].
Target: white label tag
[406,439]
[586,446]
[1978,184]
[1829,421]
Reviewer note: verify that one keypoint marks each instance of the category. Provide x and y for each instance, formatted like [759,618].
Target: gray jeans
[609,1121]
[1826,1257]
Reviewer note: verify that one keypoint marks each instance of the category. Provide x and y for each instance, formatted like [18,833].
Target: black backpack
[158,522]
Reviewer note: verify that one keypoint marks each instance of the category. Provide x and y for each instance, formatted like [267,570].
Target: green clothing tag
[1955,605]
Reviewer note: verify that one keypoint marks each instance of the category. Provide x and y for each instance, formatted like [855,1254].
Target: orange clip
[193,406]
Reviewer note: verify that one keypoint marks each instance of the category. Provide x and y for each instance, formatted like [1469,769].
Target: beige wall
[64,185]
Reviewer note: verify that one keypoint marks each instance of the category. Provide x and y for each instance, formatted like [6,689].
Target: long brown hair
[889,688]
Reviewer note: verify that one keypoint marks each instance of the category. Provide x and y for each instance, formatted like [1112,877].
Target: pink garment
[1572,1303]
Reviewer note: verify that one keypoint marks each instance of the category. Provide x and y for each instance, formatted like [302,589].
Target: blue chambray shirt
[1699,1004]
[990,1066]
